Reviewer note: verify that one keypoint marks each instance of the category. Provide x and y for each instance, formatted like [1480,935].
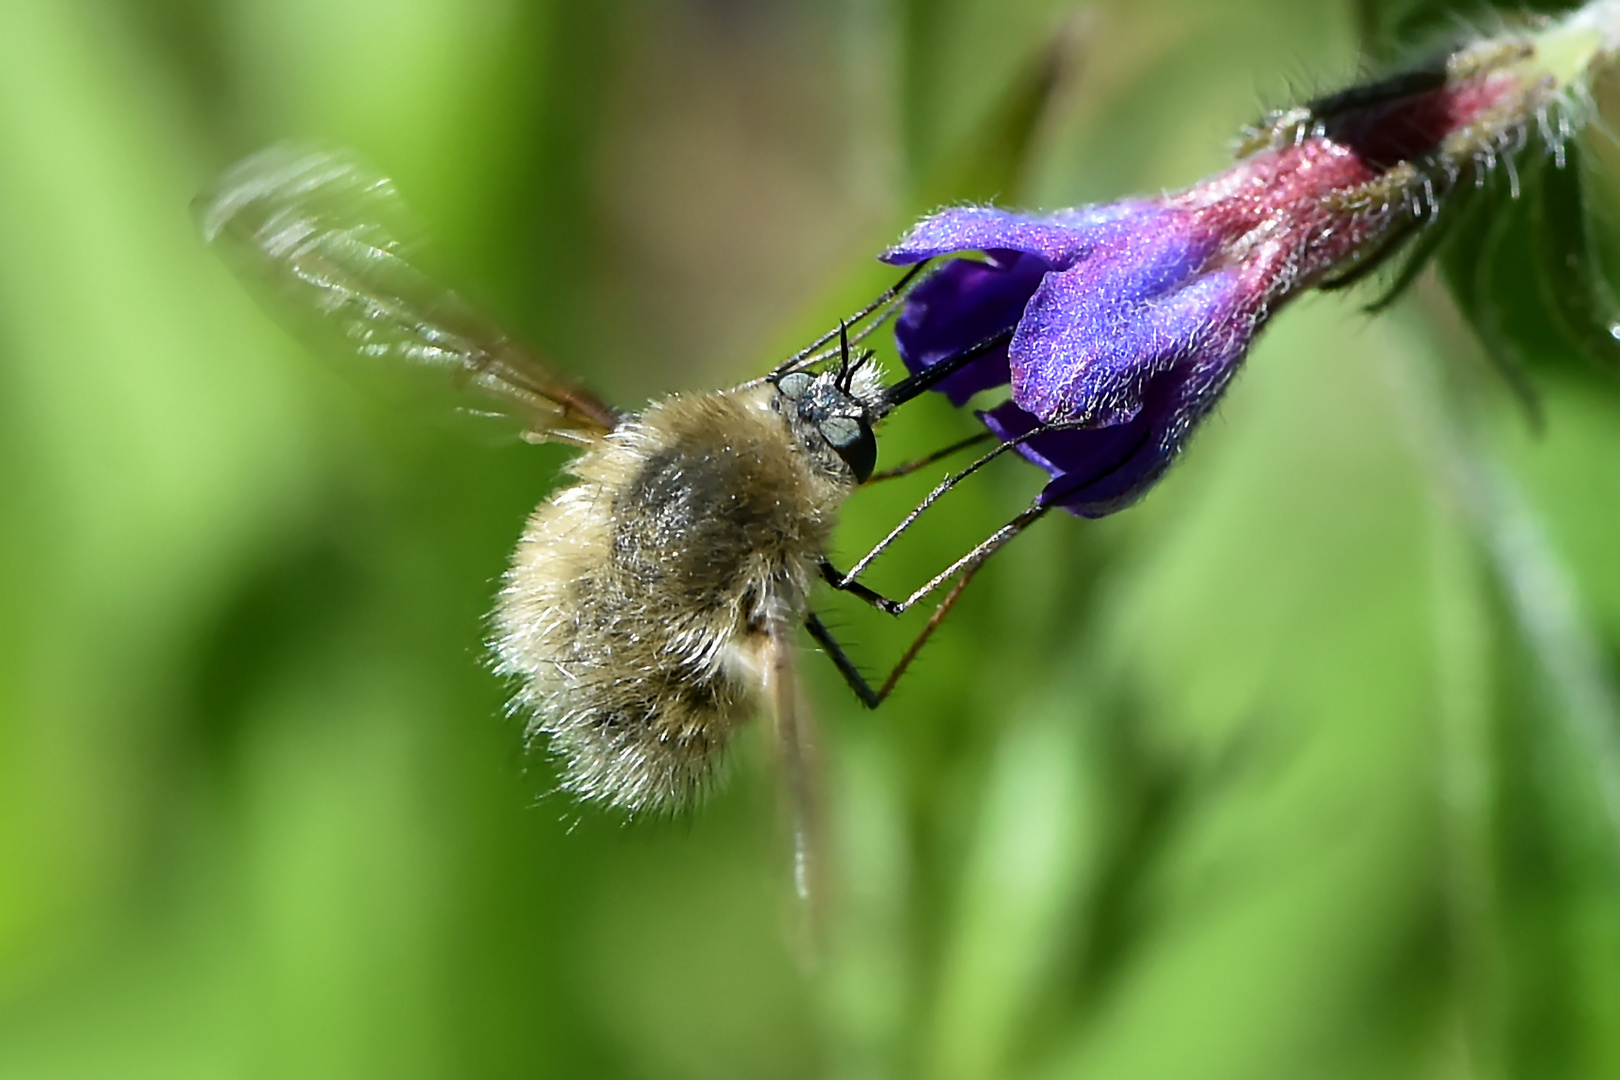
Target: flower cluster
[1128,320]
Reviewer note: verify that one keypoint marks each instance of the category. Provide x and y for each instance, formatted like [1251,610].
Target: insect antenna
[856,338]
[845,374]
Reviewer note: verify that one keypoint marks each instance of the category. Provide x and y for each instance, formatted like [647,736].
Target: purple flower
[1128,320]
[1114,325]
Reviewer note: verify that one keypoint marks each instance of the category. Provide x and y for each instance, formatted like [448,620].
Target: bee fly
[652,604]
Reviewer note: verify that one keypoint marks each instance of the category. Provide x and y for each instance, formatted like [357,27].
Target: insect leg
[872,327]
[968,564]
[909,467]
[846,667]
[905,523]
[934,620]
[843,582]
[804,354]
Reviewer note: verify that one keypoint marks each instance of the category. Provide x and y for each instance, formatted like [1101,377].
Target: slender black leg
[967,564]
[934,620]
[838,580]
[970,563]
[846,667]
[804,355]
[946,485]
[909,467]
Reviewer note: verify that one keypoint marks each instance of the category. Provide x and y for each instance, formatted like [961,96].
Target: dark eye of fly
[853,441]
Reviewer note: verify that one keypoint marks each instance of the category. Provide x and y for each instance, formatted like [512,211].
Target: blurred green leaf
[993,163]
[1277,774]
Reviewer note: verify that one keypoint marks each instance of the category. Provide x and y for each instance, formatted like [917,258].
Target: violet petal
[1098,470]
[1061,239]
[960,305]
[1092,337]
[1094,471]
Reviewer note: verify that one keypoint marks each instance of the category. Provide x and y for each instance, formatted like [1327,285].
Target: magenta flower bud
[1131,318]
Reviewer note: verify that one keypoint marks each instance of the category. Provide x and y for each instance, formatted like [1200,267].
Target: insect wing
[793,728]
[326,240]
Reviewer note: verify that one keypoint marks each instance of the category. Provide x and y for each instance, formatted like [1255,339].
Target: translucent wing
[325,235]
[794,729]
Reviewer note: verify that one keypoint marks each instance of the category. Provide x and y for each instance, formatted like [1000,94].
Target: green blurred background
[1306,767]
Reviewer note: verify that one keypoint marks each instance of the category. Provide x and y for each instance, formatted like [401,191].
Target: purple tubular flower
[1113,326]
[1128,320]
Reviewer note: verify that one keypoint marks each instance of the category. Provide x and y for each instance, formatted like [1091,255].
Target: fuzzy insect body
[652,606]
[642,601]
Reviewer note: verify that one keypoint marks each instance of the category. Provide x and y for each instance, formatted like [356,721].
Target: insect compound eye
[794,385]
[853,441]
